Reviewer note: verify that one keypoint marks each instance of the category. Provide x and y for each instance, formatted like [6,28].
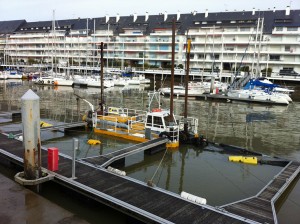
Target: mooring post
[75,148]
[31,135]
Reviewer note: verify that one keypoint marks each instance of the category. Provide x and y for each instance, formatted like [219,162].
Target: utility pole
[172,70]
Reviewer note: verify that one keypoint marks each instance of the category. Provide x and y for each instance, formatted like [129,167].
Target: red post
[53,159]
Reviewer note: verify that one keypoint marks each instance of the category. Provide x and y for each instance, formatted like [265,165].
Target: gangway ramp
[107,159]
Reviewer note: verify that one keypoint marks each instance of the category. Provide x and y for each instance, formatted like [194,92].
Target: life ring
[156,110]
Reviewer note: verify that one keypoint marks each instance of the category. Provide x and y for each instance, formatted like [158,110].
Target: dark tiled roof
[186,21]
[7,27]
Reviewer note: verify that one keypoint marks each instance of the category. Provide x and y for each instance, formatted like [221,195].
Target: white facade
[220,47]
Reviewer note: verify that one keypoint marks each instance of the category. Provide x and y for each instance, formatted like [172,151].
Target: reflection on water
[272,130]
[203,173]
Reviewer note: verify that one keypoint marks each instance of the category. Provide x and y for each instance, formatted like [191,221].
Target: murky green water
[273,130]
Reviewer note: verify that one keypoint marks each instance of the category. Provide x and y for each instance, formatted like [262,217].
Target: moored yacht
[256,94]
[179,90]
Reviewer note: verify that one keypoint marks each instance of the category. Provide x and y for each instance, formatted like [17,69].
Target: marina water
[272,130]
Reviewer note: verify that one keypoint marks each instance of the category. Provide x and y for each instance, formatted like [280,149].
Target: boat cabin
[159,120]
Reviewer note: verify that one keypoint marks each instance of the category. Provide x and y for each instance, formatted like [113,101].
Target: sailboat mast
[259,48]
[254,52]
[101,75]
[172,68]
[53,31]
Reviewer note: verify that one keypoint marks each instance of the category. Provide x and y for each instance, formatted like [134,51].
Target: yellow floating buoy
[93,142]
[45,124]
[243,159]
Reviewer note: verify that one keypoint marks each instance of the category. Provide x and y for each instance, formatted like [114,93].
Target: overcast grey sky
[40,10]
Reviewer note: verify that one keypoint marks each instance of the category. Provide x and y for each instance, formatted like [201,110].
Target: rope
[150,182]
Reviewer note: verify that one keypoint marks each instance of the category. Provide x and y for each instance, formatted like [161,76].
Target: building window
[233,21]
[287,48]
[274,57]
[229,48]
[292,29]
[200,56]
[218,22]
[283,20]
[204,22]
[244,29]
[215,57]
[279,28]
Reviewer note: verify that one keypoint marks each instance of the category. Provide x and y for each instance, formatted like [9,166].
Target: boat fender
[193,198]
[116,171]
[48,81]
[53,82]
[42,82]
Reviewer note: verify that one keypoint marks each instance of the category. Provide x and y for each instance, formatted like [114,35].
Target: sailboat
[53,77]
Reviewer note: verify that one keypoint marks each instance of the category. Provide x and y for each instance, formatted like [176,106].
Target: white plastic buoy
[193,198]
[116,171]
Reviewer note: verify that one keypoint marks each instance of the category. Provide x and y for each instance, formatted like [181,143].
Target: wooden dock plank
[168,206]
[249,215]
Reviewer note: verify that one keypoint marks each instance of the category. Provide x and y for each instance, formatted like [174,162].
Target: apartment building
[222,42]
